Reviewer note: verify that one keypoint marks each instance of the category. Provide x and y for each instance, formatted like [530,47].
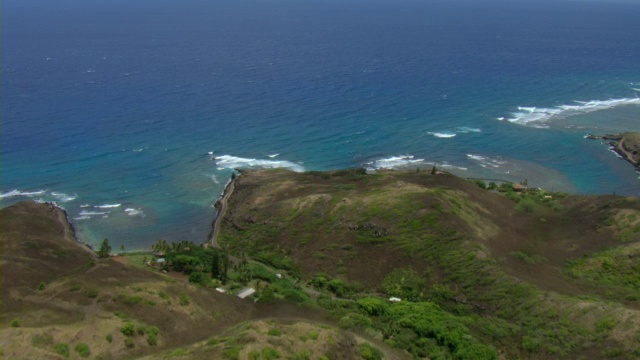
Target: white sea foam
[487,162]
[634,89]
[232,162]
[134,212]
[394,162]
[63,197]
[443,134]
[215,179]
[273,155]
[465,129]
[85,206]
[407,162]
[500,118]
[108,206]
[93,213]
[13,193]
[538,117]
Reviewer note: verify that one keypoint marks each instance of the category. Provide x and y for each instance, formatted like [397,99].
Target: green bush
[62,349]
[109,338]
[128,329]
[526,205]
[368,352]
[301,355]
[198,277]
[232,353]
[270,354]
[42,286]
[83,349]
[15,323]
[274,332]
[184,299]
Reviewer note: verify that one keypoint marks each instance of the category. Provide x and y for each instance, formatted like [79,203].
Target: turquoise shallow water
[111,109]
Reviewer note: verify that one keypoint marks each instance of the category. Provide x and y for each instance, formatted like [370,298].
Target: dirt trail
[213,240]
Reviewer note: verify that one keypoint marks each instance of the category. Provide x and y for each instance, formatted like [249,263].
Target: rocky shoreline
[626,145]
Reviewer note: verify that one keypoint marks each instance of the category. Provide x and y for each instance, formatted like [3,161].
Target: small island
[627,145]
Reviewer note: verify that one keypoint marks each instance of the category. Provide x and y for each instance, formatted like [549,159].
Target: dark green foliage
[109,338]
[270,354]
[152,335]
[404,283]
[15,323]
[198,277]
[83,350]
[373,306]
[128,329]
[274,332]
[232,353]
[105,249]
[42,286]
[62,349]
[368,352]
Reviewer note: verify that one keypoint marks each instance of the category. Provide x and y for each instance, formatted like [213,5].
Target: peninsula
[627,145]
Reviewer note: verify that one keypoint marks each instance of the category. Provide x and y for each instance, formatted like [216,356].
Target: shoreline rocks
[626,145]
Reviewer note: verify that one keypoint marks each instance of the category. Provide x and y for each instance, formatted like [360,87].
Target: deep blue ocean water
[111,108]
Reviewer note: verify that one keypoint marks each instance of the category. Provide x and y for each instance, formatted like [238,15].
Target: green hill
[481,271]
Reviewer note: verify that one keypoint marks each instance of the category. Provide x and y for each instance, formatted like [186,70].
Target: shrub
[42,286]
[109,338]
[198,277]
[128,329]
[232,353]
[62,349]
[274,332]
[15,323]
[184,299]
[526,205]
[368,352]
[91,293]
[270,354]
[152,339]
[253,355]
[301,355]
[83,349]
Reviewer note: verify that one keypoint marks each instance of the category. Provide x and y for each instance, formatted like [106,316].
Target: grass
[83,350]
[62,349]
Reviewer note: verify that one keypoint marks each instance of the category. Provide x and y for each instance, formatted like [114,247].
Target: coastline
[625,145]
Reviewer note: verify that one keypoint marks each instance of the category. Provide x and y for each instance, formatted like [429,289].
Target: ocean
[132,114]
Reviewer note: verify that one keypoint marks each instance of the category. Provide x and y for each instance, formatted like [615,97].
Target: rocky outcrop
[627,145]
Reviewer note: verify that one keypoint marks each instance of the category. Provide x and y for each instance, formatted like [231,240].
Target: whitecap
[13,193]
[108,206]
[134,212]
[444,134]
[215,179]
[394,162]
[538,117]
[83,217]
[93,213]
[486,161]
[500,118]
[232,162]
[63,197]
[273,155]
[85,205]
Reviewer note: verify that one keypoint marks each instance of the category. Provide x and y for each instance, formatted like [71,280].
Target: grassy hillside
[482,274]
[481,271]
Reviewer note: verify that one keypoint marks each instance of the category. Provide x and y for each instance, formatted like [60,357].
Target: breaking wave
[538,117]
[13,193]
[232,162]
[405,162]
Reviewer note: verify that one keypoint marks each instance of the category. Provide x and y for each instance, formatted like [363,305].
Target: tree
[215,265]
[105,249]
